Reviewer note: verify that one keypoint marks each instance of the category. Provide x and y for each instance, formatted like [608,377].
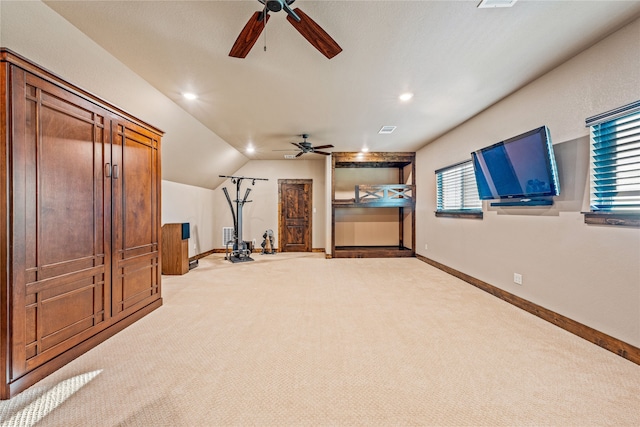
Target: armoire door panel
[137,281]
[136,217]
[137,187]
[60,196]
[62,316]
[65,162]
[67,195]
[136,287]
[61,313]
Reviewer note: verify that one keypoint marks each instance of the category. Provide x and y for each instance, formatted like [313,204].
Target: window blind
[456,188]
[615,160]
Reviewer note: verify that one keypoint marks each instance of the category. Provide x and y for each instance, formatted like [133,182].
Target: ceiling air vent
[386,129]
[289,156]
[485,4]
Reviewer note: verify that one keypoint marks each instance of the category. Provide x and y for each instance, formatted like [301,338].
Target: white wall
[346,179]
[588,273]
[367,227]
[194,205]
[262,213]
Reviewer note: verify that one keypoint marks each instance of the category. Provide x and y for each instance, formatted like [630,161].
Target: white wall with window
[589,273]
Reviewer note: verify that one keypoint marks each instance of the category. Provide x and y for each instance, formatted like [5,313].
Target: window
[615,163]
[457,193]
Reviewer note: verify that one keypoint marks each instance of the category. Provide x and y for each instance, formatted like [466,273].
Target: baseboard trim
[223,251]
[205,254]
[601,339]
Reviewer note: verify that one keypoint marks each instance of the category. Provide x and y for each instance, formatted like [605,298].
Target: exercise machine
[240,250]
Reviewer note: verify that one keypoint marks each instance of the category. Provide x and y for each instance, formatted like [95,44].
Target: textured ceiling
[455,58]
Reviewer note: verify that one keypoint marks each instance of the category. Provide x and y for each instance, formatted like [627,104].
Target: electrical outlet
[517,278]
[426,246]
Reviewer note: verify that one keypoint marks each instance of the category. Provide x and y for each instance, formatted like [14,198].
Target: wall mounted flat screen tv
[522,167]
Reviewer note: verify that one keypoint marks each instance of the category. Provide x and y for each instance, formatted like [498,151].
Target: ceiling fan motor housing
[274,5]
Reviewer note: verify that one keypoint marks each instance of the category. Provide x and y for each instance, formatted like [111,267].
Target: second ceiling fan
[305,147]
[300,21]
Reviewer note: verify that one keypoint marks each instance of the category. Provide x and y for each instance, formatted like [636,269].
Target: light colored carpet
[295,339]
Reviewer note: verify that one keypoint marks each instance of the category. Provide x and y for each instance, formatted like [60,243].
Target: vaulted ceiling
[455,58]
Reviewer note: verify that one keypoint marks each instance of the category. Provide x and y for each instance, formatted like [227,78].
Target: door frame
[281,223]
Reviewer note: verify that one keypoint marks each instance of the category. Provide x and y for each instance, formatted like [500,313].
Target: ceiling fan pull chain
[265,34]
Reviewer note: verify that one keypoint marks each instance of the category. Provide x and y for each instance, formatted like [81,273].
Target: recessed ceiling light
[190,96]
[386,129]
[250,149]
[485,4]
[406,96]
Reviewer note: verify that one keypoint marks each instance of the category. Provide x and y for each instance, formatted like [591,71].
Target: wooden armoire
[80,216]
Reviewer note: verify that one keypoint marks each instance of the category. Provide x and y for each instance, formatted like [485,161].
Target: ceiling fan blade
[315,34]
[300,154]
[322,152]
[298,145]
[323,146]
[249,35]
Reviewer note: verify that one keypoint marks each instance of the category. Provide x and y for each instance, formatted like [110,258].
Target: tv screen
[520,167]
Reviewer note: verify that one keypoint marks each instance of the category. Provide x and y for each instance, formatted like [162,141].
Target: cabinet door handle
[107,170]
[115,172]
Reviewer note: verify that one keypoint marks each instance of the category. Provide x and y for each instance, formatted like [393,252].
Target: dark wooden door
[61,241]
[136,217]
[294,228]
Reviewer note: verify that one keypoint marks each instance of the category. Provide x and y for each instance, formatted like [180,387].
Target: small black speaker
[185,230]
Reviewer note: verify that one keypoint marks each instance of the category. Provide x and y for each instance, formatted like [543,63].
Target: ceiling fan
[305,147]
[300,21]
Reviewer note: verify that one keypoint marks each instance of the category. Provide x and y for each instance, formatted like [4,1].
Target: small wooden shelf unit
[175,248]
[397,196]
